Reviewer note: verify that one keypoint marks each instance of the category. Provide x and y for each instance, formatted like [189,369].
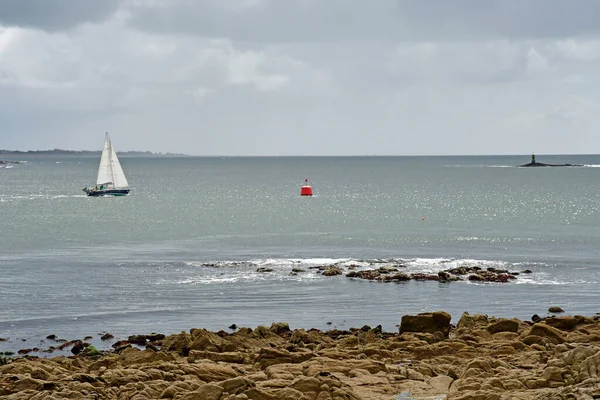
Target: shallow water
[183,249]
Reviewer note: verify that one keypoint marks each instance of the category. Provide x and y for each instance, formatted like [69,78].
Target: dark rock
[426,323]
[476,278]
[140,340]
[24,351]
[332,271]
[120,343]
[88,338]
[387,270]
[107,336]
[78,347]
[399,277]
[153,337]
[233,326]
[51,337]
[424,277]
[377,329]
[459,271]
[119,349]
[368,274]
[444,276]
[555,310]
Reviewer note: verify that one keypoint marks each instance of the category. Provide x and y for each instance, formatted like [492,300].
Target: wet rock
[153,337]
[139,340]
[106,336]
[424,277]
[476,278]
[445,276]
[555,310]
[367,274]
[387,270]
[78,347]
[426,323]
[90,351]
[332,271]
[399,277]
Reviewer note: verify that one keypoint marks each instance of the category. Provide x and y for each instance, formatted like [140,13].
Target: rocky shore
[479,358]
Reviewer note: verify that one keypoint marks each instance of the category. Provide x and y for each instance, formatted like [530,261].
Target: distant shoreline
[60,152]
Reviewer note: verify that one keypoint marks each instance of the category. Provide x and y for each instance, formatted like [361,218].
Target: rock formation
[481,358]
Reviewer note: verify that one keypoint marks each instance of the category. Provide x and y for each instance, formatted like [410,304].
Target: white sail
[110,171]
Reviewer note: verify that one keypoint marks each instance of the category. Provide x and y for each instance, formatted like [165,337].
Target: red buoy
[306,190]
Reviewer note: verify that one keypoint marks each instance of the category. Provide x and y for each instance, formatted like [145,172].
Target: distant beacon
[306,190]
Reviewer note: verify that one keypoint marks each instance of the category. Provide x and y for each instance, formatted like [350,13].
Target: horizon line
[9,152]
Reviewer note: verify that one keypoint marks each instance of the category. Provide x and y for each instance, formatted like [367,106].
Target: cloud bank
[267,77]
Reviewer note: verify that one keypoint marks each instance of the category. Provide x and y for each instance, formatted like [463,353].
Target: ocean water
[184,248]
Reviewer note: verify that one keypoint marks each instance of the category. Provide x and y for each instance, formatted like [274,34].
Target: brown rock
[205,392]
[504,325]
[332,271]
[179,342]
[543,330]
[280,328]
[426,322]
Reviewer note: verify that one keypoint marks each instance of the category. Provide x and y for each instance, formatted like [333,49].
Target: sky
[302,77]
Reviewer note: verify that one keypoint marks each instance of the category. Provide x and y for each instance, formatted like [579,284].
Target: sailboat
[111,179]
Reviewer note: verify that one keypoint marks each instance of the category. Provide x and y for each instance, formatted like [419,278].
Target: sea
[207,242]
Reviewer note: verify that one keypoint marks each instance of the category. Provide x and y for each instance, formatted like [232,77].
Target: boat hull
[108,192]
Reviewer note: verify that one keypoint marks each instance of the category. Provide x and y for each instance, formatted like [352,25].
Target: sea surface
[183,249]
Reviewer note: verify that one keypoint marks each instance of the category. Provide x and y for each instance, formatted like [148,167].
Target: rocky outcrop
[475,274]
[426,323]
[481,358]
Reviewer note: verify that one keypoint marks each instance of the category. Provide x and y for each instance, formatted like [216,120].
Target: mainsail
[110,171]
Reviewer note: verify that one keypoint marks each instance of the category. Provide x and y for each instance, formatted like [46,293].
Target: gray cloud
[54,15]
[256,77]
[334,20]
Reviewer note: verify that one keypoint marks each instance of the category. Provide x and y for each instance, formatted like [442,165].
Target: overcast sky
[302,77]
